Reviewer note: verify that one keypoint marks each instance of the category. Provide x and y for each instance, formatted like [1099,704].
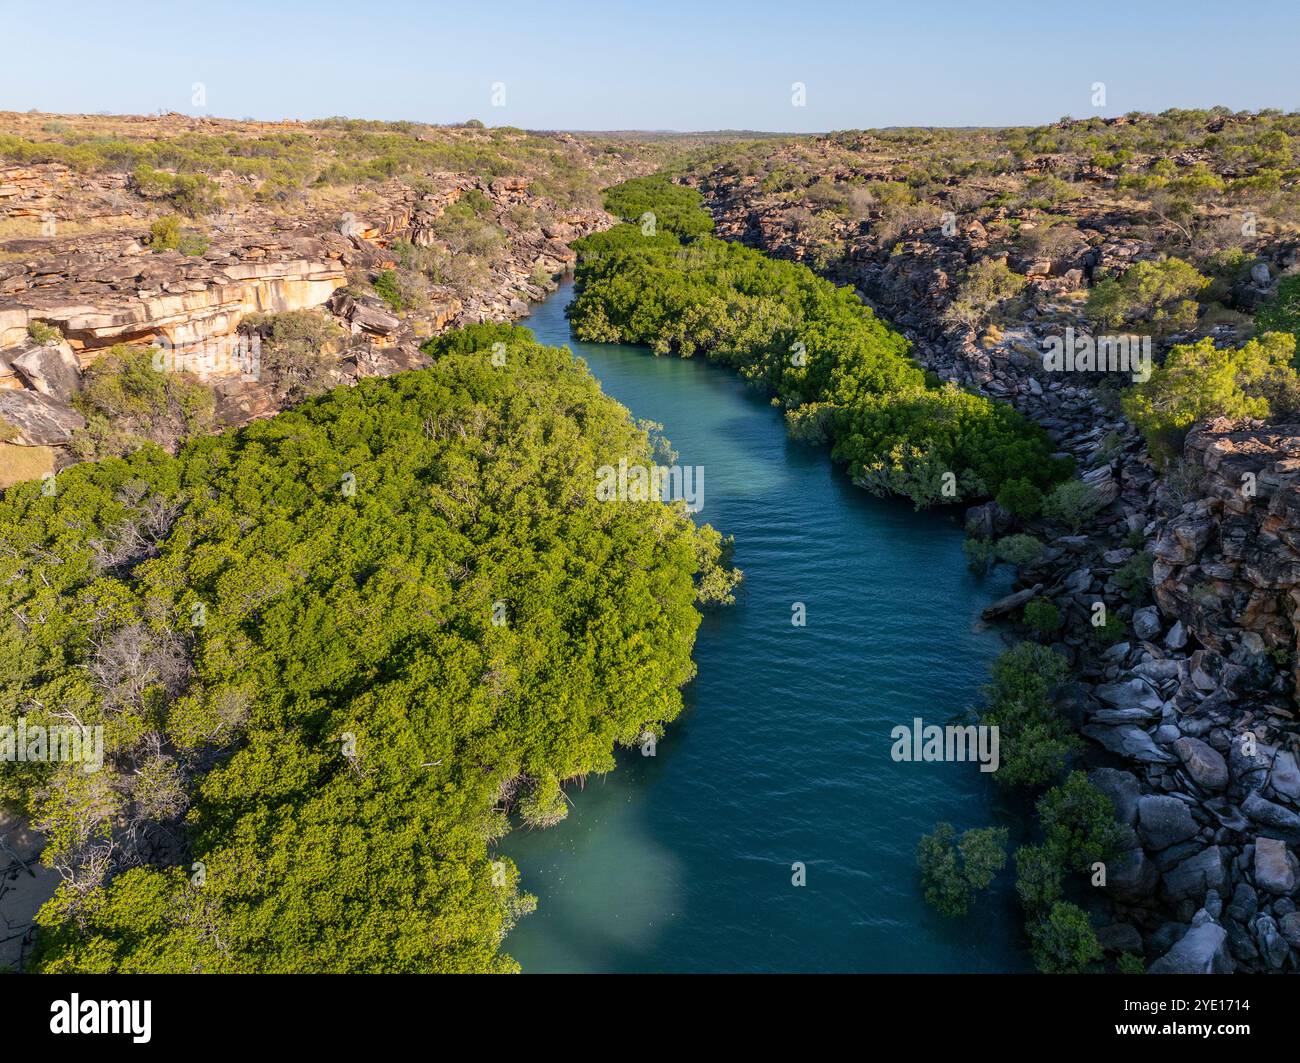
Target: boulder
[1128,741]
[1123,790]
[1245,902]
[1011,602]
[1079,581]
[365,314]
[1241,944]
[1157,672]
[1196,876]
[1249,769]
[1228,814]
[1166,734]
[1132,694]
[39,419]
[1074,702]
[52,371]
[1272,945]
[1113,717]
[1146,622]
[1285,775]
[988,521]
[1275,866]
[1202,950]
[372,318]
[1281,820]
[1289,927]
[1164,821]
[1176,636]
[1132,877]
[1204,763]
[1120,937]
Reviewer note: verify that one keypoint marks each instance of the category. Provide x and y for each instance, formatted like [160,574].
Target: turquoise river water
[683,861]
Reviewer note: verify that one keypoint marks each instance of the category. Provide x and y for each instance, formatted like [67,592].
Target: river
[684,861]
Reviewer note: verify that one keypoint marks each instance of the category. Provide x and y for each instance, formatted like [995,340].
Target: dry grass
[23,463]
[34,228]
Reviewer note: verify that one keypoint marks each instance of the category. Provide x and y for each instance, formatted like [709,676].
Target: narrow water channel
[683,861]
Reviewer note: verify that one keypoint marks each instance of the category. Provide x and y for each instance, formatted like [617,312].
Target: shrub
[1019,550]
[980,555]
[1020,497]
[127,402]
[1064,942]
[310,328]
[468,245]
[983,288]
[545,804]
[1281,313]
[891,193]
[677,209]
[192,243]
[1107,303]
[1073,502]
[1079,824]
[1130,963]
[716,577]
[191,193]
[476,339]
[1109,631]
[897,431]
[1034,740]
[330,615]
[165,233]
[295,349]
[1042,616]
[1151,296]
[278,189]
[1199,381]
[1038,880]
[43,333]
[388,288]
[1133,577]
[951,874]
[1197,182]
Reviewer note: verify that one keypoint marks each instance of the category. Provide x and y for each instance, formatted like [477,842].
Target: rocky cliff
[85,274]
[1227,561]
[1192,715]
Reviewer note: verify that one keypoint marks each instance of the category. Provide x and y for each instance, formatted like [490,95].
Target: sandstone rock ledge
[107,287]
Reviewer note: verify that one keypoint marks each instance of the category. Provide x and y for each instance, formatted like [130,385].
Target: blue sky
[665,65]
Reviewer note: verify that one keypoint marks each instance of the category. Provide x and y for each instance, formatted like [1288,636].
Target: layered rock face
[165,296]
[46,191]
[1228,561]
[104,286]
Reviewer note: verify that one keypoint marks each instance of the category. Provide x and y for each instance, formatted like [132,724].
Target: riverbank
[1189,714]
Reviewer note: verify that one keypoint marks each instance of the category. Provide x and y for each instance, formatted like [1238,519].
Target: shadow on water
[683,861]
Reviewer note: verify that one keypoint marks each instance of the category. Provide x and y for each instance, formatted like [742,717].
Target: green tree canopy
[839,372]
[330,652]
